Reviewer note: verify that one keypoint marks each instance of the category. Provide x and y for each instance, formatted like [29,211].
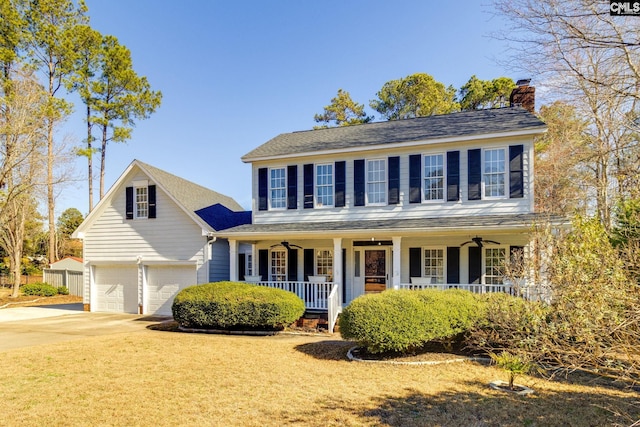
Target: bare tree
[22,109]
[591,60]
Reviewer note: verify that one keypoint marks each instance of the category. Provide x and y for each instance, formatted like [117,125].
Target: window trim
[315,262]
[283,189]
[283,267]
[423,249]
[138,204]
[505,174]
[384,184]
[316,185]
[484,263]
[423,178]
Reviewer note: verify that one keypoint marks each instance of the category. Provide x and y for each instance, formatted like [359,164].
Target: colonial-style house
[439,201]
[150,236]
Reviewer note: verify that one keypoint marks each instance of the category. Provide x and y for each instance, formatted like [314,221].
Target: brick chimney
[523,95]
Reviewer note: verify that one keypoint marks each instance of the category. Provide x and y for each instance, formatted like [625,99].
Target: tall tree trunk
[89,157]
[103,153]
[50,195]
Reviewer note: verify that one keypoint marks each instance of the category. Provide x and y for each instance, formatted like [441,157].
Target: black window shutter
[475,264]
[415,178]
[129,203]
[263,189]
[516,173]
[341,184]
[453,264]
[358,182]
[308,186]
[394,180]
[453,176]
[415,262]
[309,269]
[241,266]
[152,201]
[263,264]
[475,174]
[292,187]
[292,265]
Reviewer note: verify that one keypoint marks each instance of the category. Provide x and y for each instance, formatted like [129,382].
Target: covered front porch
[330,264]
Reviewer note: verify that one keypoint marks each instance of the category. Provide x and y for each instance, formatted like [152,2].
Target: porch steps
[315,320]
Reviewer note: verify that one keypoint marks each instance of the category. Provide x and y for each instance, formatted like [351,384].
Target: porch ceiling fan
[479,241]
[286,245]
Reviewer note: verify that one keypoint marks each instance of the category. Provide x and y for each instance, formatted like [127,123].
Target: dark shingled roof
[463,124]
[426,224]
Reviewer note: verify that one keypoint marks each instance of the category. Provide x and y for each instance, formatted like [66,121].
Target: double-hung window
[278,265]
[324,185]
[324,263]
[433,188]
[494,259]
[377,182]
[434,265]
[278,188]
[494,173]
[142,202]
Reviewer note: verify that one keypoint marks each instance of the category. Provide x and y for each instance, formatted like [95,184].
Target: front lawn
[31,300]
[155,378]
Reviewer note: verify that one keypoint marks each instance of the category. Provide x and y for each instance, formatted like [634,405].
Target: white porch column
[395,280]
[337,265]
[255,269]
[233,260]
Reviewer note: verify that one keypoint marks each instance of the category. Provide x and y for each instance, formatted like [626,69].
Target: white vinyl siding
[433,175]
[324,185]
[494,173]
[376,190]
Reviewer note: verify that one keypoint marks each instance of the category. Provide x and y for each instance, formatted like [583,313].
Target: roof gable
[188,196]
[460,125]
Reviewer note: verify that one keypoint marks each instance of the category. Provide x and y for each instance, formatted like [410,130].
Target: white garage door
[163,283]
[116,289]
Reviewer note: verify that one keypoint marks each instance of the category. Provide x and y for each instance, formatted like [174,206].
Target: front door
[375,270]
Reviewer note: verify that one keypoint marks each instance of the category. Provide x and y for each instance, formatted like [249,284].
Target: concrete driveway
[31,326]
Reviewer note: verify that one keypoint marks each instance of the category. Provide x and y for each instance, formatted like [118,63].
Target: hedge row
[234,305]
[402,321]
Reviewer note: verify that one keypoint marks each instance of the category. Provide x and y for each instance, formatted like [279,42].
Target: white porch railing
[529,292]
[333,307]
[316,296]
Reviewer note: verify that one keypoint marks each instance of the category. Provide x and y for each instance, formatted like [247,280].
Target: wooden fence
[73,280]
[7,279]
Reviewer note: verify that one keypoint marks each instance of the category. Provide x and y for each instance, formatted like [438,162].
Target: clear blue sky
[234,74]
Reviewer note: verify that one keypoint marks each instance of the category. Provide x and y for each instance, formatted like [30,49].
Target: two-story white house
[441,200]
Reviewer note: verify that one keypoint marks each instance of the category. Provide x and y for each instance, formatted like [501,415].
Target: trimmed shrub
[63,290]
[234,305]
[40,289]
[403,321]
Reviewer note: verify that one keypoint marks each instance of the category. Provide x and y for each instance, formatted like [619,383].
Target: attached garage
[163,283]
[116,288]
